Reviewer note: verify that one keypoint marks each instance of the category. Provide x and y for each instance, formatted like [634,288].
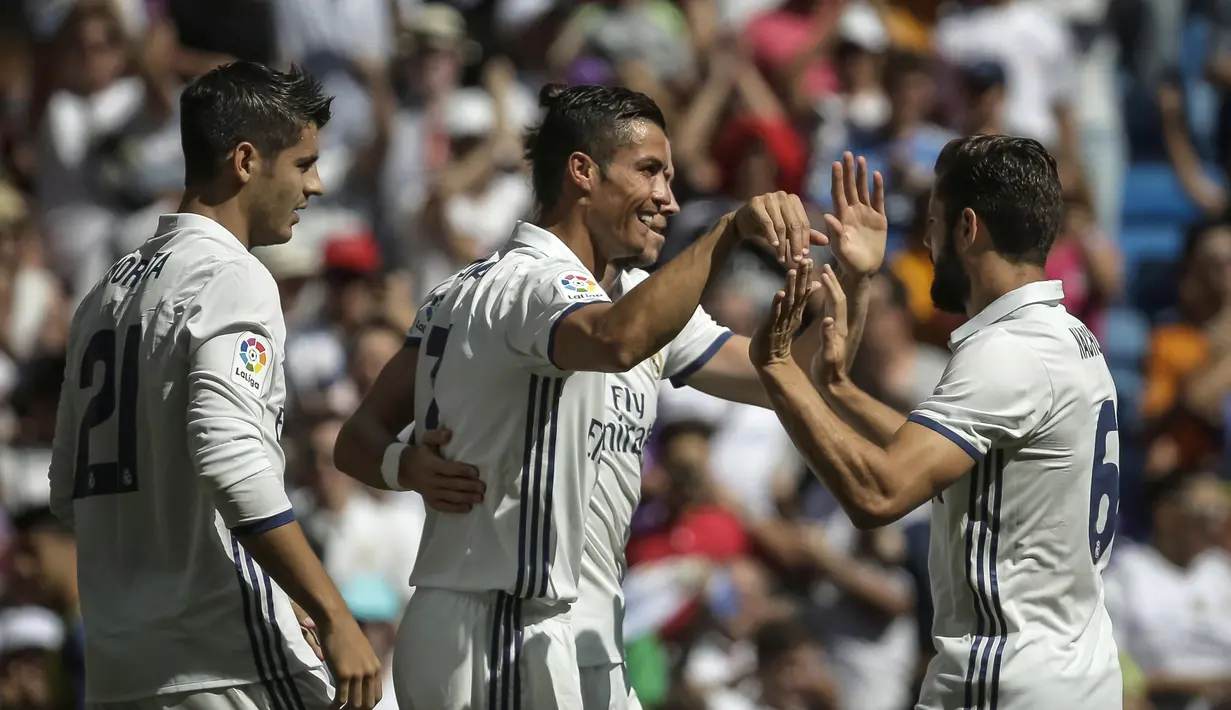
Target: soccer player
[1017,448]
[511,358]
[166,460]
[711,359]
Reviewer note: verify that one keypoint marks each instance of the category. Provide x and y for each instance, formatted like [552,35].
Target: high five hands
[779,221]
[858,228]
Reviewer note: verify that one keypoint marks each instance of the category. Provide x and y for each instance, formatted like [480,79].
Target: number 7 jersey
[1019,544]
[166,448]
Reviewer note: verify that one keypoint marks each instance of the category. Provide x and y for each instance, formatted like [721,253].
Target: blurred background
[748,588]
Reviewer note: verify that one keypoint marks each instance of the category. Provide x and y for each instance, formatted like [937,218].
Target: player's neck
[570,228]
[995,279]
[225,212]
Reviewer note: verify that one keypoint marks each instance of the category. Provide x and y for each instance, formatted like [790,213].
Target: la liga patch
[252,362]
[577,285]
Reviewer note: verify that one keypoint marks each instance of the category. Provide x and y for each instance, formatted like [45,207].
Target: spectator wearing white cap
[29,639]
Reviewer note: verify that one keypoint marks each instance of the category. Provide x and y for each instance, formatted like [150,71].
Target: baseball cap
[984,74]
[861,25]
[471,112]
[26,628]
[356,252]
[439,26]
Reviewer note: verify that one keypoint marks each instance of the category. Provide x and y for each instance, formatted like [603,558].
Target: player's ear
[582,171]
[966,231]
[244,161]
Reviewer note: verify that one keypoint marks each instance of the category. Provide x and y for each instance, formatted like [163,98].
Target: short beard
[950,282]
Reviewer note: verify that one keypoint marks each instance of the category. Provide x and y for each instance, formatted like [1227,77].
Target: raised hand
[780,222]
[858,228]
[829,363]
[771,343]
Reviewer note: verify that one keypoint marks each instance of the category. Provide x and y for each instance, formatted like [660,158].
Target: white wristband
[391,463]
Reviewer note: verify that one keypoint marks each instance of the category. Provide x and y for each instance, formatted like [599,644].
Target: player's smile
[654,223]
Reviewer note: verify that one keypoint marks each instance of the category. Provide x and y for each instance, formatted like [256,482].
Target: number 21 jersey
[166,449]
[1019,544]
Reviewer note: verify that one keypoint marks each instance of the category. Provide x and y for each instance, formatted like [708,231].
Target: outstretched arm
[857,232]
[614,337]
[938,445]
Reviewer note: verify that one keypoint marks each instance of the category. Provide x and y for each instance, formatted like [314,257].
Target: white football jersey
[1019,545]
[166,441]
[485,373]
[631,407]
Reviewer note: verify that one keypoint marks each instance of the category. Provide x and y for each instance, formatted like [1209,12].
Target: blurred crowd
[747,586]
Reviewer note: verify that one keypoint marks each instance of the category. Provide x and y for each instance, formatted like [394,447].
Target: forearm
[858,289]
[648,317]
[870,417]
[1187,165]
[360,449]
[285,555]
[852,468]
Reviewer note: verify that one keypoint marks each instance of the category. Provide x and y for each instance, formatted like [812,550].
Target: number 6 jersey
[166,447]
[1019,544]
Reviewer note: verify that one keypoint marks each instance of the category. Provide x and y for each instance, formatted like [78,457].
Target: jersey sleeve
[996,388]
[63,453]
[536,298]
[235,332]
[700,339]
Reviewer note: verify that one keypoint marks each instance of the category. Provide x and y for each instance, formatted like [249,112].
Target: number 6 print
[1104,483]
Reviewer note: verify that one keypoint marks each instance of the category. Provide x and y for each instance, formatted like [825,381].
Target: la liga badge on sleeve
[252,362]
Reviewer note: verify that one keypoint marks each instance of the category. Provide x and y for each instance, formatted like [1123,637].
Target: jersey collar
[539,239]
[185,220]
[1048,292]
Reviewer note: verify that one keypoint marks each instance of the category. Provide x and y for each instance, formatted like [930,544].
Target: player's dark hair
[39,519]
[590,119]
[245,102]
[1012,184]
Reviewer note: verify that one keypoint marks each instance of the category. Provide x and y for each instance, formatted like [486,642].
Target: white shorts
[458,651]
[606,688]
[312,690]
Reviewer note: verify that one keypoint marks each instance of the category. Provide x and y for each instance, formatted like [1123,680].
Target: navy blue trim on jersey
[245,593]
[504,655]
[991,633]
[534,528]
[555,326]
[256,527]
[272,650]
[412,341]
[280,645]
[930,423]
[998,465]
[972,522]
[679,378]
[557,391]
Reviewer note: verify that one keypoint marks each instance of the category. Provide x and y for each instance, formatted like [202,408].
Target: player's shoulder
[997,345]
